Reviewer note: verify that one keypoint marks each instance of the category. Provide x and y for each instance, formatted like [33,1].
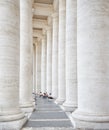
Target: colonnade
[70,61]
[79,61]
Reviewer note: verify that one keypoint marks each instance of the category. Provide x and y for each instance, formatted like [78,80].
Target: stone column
[26,66]
[43,64]
[34,68]
[93,65]
[55,56]
[61,52]
[11,116]
[49,60]
[71,55]
[38,65]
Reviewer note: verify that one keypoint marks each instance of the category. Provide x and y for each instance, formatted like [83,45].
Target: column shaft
[11,116]
[93,64]
[71,55]
[61,52]
[38,66]
[26,66]
[49,60]
[43,64]
[55,56]
[34,68]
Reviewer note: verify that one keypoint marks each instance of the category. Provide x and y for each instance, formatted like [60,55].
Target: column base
[27,108]
[88,121]
[34,103]
[13,125]
[59,101]
[13,121]
[68,107]
[54,97]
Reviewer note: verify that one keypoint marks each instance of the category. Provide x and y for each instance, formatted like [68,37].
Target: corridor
[58,47]
[48,116]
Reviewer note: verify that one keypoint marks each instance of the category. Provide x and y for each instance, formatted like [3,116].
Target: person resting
[40,94]
[45,95]
[50,96]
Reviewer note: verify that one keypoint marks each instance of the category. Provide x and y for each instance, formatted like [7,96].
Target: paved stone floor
[48,116]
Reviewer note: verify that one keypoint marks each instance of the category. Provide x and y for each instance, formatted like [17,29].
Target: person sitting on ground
[45,95]
[50,96]
[33,95]
[40,94]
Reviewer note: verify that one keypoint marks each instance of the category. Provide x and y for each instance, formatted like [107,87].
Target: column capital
[34,40]
[44,31]
[33,44]
[49,20]
[48,28]
[55,14]
[39,40]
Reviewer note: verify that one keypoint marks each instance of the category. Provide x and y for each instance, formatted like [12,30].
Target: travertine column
[55,56]
[49,60]
[93,64]
[34,68]
[38,65]
[26,45]
[43,64]
[71,55]
[11,116]
[61,52]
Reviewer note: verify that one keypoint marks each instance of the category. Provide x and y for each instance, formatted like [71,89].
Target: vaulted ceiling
[42,9]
